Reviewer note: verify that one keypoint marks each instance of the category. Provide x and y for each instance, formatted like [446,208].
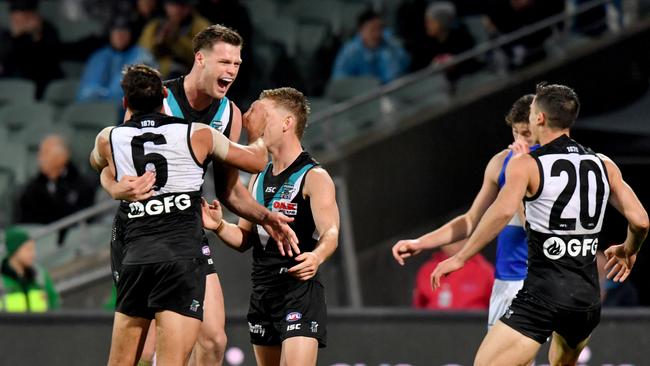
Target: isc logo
[155,207]
[554,247]
[291,327]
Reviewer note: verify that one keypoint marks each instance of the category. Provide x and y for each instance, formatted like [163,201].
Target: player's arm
[129,188]
[234,236]
[495,218]
[208,143]
[621,258]
[462,226]
[319,187]
[101,151]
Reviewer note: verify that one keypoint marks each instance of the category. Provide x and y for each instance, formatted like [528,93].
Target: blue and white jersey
[512,245]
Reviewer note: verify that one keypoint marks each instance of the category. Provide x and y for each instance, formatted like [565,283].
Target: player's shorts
[178,286]
[116,248]
[502,294]
[208,262]
[300,312]
[537,319]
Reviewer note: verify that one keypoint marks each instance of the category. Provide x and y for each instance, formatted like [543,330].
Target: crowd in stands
[286,43]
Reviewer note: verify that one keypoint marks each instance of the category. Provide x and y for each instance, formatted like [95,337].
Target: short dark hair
[142,88]
[367,16]
[208,37]
[559,103]
[520,110]
[294,101]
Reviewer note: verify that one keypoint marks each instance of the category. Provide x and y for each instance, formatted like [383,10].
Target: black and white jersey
[564,220]
[282,193]
[166,226]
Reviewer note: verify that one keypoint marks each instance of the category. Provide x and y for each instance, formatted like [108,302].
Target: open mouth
[224,82]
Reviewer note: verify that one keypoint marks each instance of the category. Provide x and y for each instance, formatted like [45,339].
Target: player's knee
[213,341]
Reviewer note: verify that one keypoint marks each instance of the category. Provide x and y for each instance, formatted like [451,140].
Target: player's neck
[551,135]
[285,154]
[195,96]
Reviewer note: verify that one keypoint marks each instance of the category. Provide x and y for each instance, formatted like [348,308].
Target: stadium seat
[71,31]
[31,137]
[7,192]
[476,27]
[342,89]
[470,83]
[433,85]
[347,20]
[318,104]
[284,32]
[60,93]
[4,15]
[260,10]
[13,157]
[311,37]
[17,117]
[90,115]
[89,238]
[15,90]
[326,11]
[72,69]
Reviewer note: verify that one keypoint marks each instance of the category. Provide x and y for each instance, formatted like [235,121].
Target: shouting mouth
[223,83]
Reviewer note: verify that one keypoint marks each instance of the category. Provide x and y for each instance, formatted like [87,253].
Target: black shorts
[538,319]
[179,286]
[117,248]
[300,312]
[207,255]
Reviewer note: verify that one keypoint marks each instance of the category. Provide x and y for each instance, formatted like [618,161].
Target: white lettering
[573,247]
[155,207]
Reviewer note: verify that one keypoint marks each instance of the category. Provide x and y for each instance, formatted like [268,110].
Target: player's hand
[620,261]
[254,121]
[445,267]
[519,147]
[404,249]
[308,266]
[211,214]
[131,188]
[276,224]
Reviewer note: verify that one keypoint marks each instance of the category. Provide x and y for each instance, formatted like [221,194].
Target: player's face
[220,68]
[520,131]
[533,120]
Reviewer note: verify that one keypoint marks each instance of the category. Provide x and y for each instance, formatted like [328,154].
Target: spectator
[445,37]
[372,52]
[614,294]
[24,286]
[103,71]
[468,288]
[58,190]
[507,16]
[143,12]
[31,47]
[170,39]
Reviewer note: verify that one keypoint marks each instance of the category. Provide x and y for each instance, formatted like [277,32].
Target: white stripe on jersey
[538,211]
[183,173]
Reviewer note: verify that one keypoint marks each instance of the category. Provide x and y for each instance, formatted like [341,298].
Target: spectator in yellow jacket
[24,286]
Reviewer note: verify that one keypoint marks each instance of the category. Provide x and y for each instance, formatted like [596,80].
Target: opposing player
[201,97]
[161,275]
[287,315]
[566,188]
[512,247]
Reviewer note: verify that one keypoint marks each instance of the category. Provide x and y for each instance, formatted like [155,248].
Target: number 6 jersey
[564,219]
[167,226]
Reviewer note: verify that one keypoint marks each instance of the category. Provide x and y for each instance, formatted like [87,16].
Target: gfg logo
[554,247]
[156,207]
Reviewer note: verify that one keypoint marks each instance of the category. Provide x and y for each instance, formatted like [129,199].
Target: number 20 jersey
[167,226]
[564,220]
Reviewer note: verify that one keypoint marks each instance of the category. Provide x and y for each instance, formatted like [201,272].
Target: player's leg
[299,351]
[561,353]
[127,339]
[505,346]
[500,299]
[149,349]
[267,355]
[175,337]
[211,342]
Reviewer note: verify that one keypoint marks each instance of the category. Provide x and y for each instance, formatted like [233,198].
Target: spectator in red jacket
[467,289]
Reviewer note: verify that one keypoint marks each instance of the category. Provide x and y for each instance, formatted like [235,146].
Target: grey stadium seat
[60,93]
[16,90]
[17,117]
[342,89]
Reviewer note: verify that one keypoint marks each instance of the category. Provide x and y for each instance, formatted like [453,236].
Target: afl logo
[554,248]
[294,316]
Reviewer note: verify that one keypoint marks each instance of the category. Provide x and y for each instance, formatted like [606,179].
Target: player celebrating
[287,314]
[565,187]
